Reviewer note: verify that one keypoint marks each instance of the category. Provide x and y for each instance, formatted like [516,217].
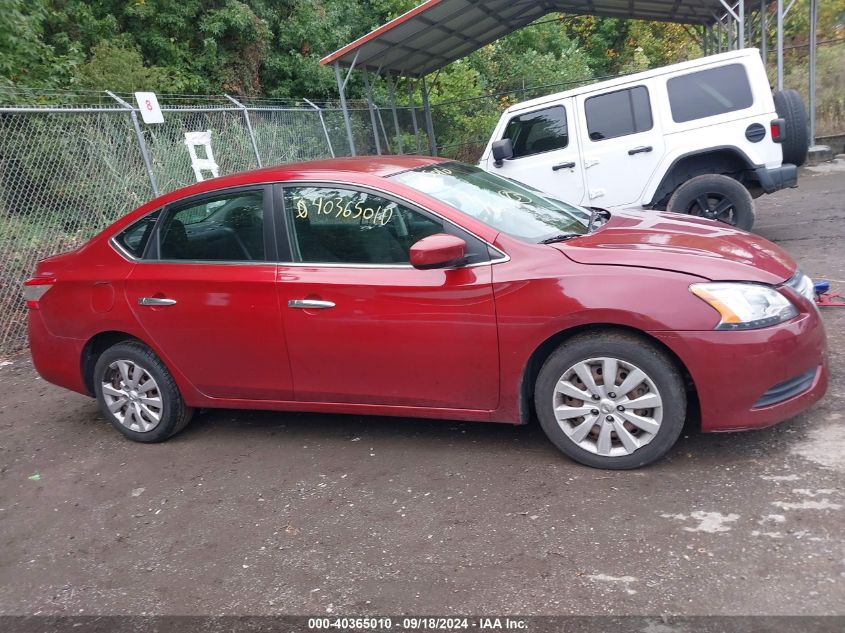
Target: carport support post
[372,112]
[341,88]
[780,44]
[736,24]
[142,145]
[814,17]
[764,53]
[749,28]
[392,87]
[414,115]
[429,124]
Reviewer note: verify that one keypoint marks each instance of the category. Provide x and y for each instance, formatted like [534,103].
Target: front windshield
[502,203]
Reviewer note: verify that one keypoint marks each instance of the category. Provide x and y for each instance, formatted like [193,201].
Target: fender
[657,192]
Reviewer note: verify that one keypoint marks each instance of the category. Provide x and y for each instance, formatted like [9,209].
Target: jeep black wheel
[796,136]
[715,197]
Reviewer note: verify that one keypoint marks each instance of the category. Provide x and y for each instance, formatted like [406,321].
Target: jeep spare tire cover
[796,137]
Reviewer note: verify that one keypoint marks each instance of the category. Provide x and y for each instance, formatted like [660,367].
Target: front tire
[138,395]
[715,197]
[626,421]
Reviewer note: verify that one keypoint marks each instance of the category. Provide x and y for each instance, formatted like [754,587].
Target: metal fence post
[392,86]
[248,127]
[429,123]
[372,112]
[323,123]
[142,145]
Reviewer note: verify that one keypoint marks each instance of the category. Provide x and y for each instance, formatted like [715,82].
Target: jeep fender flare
[725,159]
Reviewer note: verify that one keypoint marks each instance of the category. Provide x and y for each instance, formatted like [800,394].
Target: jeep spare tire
[796,136]
[715,197]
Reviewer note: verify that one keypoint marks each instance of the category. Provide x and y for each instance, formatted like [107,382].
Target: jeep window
[709,92]
[618,113]
[538,132]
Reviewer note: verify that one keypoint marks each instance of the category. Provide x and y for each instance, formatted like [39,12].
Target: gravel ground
[266,513]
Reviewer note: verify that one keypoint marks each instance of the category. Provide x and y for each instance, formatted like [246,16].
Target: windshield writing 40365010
[338,208]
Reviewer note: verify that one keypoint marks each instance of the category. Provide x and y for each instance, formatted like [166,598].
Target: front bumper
[782,177]
[757,378]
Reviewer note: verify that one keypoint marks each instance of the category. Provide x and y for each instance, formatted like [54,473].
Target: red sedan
[415,286]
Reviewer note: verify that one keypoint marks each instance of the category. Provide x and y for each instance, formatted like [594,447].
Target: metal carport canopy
[438,32]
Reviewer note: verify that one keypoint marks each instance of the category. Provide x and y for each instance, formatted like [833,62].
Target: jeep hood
[670,241]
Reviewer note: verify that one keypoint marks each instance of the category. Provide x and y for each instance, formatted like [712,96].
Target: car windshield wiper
[559,238]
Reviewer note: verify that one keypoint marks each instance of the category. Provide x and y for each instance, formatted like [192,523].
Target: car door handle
[310,304]
[640,150]
[563,166]
[156,301]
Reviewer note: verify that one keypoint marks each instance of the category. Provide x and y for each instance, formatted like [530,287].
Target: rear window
[134,240]
[709,92]
[538,132]
[618,113]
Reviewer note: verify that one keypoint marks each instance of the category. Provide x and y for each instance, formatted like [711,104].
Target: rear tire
[138,395]
[715,197]
[796,142]
[621,428]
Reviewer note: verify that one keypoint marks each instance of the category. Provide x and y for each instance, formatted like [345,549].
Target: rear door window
[709,93]
[538,132]
[228,227]
[618,113]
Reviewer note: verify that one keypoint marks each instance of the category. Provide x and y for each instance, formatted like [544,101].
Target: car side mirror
[502,150]
[438,251]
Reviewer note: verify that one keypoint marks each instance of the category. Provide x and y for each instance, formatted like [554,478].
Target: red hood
[669,241]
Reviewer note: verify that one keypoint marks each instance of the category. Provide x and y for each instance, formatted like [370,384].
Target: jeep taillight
[35,288]
[778,129]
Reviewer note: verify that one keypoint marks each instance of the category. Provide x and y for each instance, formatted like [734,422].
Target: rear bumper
[57,359]
[754,379]
[782,177]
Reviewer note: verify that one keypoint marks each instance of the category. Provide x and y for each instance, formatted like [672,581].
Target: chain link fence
[67,172]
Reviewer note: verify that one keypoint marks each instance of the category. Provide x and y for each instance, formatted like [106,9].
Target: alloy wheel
[132,396]
[608,406]
[713,206]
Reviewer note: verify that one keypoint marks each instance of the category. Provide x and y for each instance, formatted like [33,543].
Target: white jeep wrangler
[701,137]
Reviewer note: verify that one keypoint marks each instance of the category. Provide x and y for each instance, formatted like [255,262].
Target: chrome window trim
[503,257]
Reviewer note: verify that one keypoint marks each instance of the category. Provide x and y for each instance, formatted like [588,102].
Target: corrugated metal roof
[438,32]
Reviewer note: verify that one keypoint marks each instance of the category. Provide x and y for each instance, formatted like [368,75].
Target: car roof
[623,80]
[379,166]
[373,165]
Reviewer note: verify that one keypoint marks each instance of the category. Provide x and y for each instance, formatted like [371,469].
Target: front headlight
[803,285]
[745,306]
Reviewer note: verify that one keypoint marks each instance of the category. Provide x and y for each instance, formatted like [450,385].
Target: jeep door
[545,151]
[623,144]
